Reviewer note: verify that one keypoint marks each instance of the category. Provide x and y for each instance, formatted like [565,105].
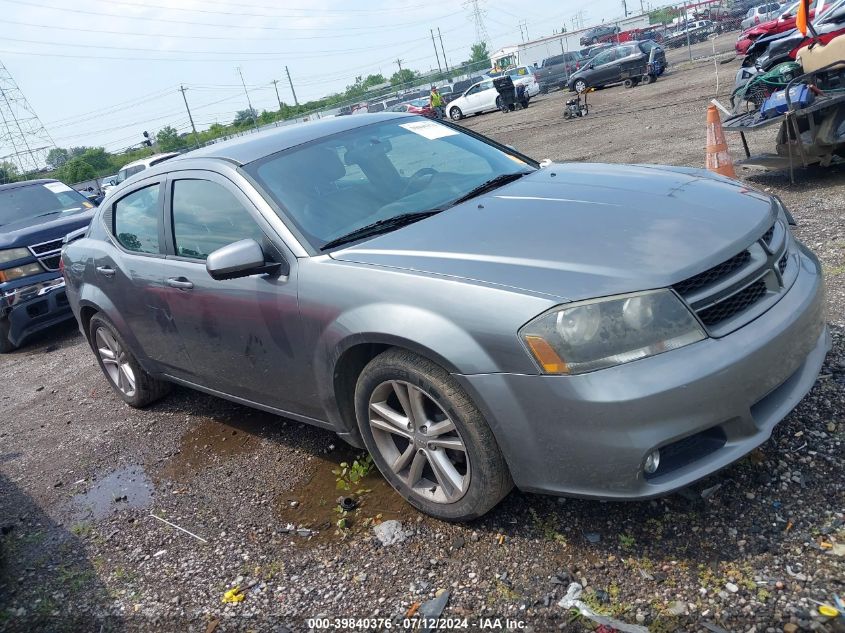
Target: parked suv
[138,166]
[760,13]
[603,33]
[554,71]
[35,216]
[472,319]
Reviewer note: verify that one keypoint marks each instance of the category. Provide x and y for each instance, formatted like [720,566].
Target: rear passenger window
[136,219]
[207,216]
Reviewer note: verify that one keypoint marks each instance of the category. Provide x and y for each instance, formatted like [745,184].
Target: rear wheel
[127,377]
[6,345]
[647,79]
[427,437]
[455,113]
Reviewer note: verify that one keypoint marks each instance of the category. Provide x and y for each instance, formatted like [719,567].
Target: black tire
[489,477]
[455,113]
[580,85]
[628,83]
[647,79]
[147,388]
[6,345]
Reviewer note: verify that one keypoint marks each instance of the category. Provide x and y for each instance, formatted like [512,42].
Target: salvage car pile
[796,79]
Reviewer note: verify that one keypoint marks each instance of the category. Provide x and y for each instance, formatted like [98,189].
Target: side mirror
[240,259]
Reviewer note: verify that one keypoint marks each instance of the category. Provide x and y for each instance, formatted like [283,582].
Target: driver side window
[207,216]
[473,90]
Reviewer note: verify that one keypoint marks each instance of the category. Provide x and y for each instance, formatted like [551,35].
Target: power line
[481,35]
[99,14]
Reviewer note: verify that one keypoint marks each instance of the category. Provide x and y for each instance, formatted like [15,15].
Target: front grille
[714,274]
[739,289]
[733,305]
[51,262]
[48,253]
[46,247]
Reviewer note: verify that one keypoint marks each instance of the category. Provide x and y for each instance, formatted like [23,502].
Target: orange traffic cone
[718,158]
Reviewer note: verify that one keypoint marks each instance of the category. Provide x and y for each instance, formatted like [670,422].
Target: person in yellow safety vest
[436,103]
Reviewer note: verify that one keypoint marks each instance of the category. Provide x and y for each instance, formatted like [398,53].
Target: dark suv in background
[603,33]
[35,217]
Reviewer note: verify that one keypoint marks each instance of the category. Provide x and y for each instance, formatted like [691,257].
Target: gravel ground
[753,548]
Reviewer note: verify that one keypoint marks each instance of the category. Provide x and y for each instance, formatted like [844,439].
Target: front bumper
[30,309]
[705,405]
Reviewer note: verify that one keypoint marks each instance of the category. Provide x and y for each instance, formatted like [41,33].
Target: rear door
[129,272]
[241,334]
[605,69]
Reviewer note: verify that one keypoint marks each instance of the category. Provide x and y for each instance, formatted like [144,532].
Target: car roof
[250,147]
[26,183]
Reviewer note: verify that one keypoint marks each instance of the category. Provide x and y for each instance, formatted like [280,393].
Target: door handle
[105,271]
[179,282]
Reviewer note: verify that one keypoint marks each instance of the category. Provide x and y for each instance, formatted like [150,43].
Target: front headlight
[20,271]
[11,254]
[591,335]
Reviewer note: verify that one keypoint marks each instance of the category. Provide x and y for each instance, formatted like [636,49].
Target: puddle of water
[207,443]
[314,504]
[126,488]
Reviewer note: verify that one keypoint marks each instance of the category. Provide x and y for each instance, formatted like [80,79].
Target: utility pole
[436,54]
[182,89]
[399,63]
[278,98]
[442,50]
[525,24]
[642,7]
[625,7]
[293,92]
[248,102]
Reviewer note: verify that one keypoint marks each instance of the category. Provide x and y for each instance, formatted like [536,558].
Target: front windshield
[346,181]
[34,201]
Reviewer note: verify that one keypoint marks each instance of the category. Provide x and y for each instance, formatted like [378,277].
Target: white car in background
[483,96]
[479,97]
[140,165]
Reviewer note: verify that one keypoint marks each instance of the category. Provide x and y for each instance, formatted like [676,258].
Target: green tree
[57,157]
[266,117]
[98,158]
[404,76]
[8,172]
[168,139]
[374,80]
[479,53]
[76,170]
[77,151]
[245,117]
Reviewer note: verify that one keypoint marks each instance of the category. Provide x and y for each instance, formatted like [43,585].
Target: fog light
[652,462]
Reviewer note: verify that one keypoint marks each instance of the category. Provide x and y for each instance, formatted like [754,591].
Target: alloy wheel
[419,441]
[116,362]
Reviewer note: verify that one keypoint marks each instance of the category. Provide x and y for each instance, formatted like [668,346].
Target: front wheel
[580,85]
[455,114]
[427,437]
[135,386]
[6,345]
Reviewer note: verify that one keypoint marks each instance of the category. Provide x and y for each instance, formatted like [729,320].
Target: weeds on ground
[627,542]
[349,475]
[547,527]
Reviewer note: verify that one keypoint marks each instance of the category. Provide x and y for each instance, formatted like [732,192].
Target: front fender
[434,337]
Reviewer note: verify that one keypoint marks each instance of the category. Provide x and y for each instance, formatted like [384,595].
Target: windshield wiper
[489,185]
[382,226]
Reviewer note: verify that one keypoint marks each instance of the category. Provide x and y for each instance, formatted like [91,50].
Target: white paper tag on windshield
[428,129]
[57,187]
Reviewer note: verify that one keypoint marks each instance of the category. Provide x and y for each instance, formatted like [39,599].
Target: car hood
[576,231]
[28,231]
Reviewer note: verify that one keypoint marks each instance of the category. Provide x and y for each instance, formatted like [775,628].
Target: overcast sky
[99,72]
